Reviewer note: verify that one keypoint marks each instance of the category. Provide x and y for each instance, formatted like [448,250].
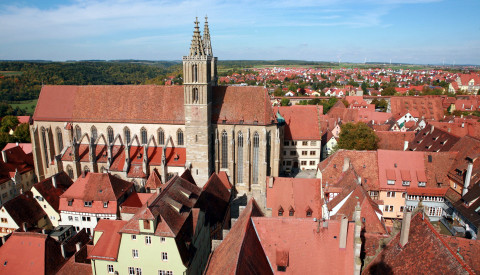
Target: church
[132,131]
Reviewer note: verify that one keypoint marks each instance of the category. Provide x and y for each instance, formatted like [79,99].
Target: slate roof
[425,252]
[241,252]
[145,104]
[52,194]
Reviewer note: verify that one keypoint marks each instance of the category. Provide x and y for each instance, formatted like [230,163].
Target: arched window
[179,137]
[126,131]
[44,141]
[86,169]
[143,133]
[59,139]
[78,132]
[70,171]
[94,134]
[195,73]
[256,144]
[161,136]
[110,134]
[195,95]
[224,149]
[240,157]
[269,149]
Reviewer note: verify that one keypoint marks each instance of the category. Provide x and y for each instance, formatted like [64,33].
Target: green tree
[8,122]
[278,92]
[364,87]
[22,133]
[285,102]
[388,91]
[357,136]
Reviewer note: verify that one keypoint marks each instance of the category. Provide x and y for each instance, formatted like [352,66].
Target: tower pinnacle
[196,48]
[207,44]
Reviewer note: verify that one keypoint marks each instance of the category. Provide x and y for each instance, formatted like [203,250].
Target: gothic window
[161,136]
[94,133]
[240,157]
[143,133]
[78,132]
[59,139]
[179,137]
[224,149]
[44,141]
[256,144]
[195,95]
[269,149]
[195,73]
[126,131]
[70,171]
[110,134]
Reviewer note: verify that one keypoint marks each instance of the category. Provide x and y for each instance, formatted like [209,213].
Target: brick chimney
[54,181]
[343,232]
[346,164]
[4,156]
[468,176]
[405,231]
[405,145]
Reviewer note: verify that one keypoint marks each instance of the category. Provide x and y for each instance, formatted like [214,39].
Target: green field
[27,105]
[10,73]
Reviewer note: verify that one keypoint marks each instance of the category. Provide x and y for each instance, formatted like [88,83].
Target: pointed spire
[196,48]
[207,44]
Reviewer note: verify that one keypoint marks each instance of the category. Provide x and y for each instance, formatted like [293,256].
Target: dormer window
[291,212]
[309,213]
[391,182]
[105,204]
[146,224]
[422,184]
[70,202]
[88,204]
[280,212]
[405,183]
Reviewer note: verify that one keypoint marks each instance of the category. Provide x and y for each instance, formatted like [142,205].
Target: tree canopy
[357,136]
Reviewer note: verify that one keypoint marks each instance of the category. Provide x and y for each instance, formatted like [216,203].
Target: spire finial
[196,48]
[207,44]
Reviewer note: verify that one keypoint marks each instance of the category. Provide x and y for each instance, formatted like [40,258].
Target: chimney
[158,190]
[54,181]
[358,241]
[62,249]
[346,164]
[44,231]
[468,176]
[270,182]
[78,246]
[405,145]
[4,156]
[343,232]
[463,124]
[405,228]
[432,128]
[21,191]
[24,226]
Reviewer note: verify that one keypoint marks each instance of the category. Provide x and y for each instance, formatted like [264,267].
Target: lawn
[27,105]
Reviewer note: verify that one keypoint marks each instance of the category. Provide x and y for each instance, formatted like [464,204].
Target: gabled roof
[50,193]
[425,252]
[154,180]
[214,199]
[390,140]
[108,244]
[301,194]
[26,147]
[241,252]
[427,107]
[30,253]
[404,165]
[17,161]
[97,187]
[468,249]
[24,208]
[433,139]
[302,122]
[466,147]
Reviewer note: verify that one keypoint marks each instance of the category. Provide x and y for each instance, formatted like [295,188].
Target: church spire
[207,44]
[196,48]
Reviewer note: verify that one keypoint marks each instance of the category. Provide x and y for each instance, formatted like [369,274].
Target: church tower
[198,79]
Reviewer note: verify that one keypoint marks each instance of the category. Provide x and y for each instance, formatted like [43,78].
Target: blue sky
[408,31]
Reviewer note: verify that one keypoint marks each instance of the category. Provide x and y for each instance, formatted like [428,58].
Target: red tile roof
[26,147]
[107,245]
[134,202]
[154,180]
[300,194]
[427,107]
[310,248]
[17,160]
[52,194]
[469,249]
[433,139]
[302,122]
[389,140]
[24,208]
[404,164]
[425,252]
[145,104]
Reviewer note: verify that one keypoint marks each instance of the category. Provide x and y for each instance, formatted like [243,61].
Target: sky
[400,31]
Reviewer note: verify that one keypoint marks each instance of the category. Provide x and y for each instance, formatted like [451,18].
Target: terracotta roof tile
[24,208]
[52,194]
[389,140]
[301,122]
[108,244]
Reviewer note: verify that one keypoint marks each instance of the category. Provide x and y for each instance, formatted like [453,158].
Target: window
[195,72]
[110,268]
[195,95]
[401,208]
[224,149]
[312,162]
[94,133]
[110,134]
[240,157]
[286,143]
[146,224]
[162,239]
[291,212]
[280,212]
[134,253]
[70,202]
[138,271]
[143,133]
[422,184]
[256,144]
[85,219]
[179,137]
[390,194]
[391,182]
[304,143]
[70,171]
[304,153]
[313,153]
[309,213]
[404,195]
[406,183]
[78,132]
[86,169]
[105,204]
[284,153]
[88,204]
[44,141]
[126,132]
[70,218]
[303,162]
[313,143]
[131,271]
[388,208]
[148,240]
[165,272]
[161,136]
[134,237]
[164,256]
[4,220]
[293,153]
[59,139]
